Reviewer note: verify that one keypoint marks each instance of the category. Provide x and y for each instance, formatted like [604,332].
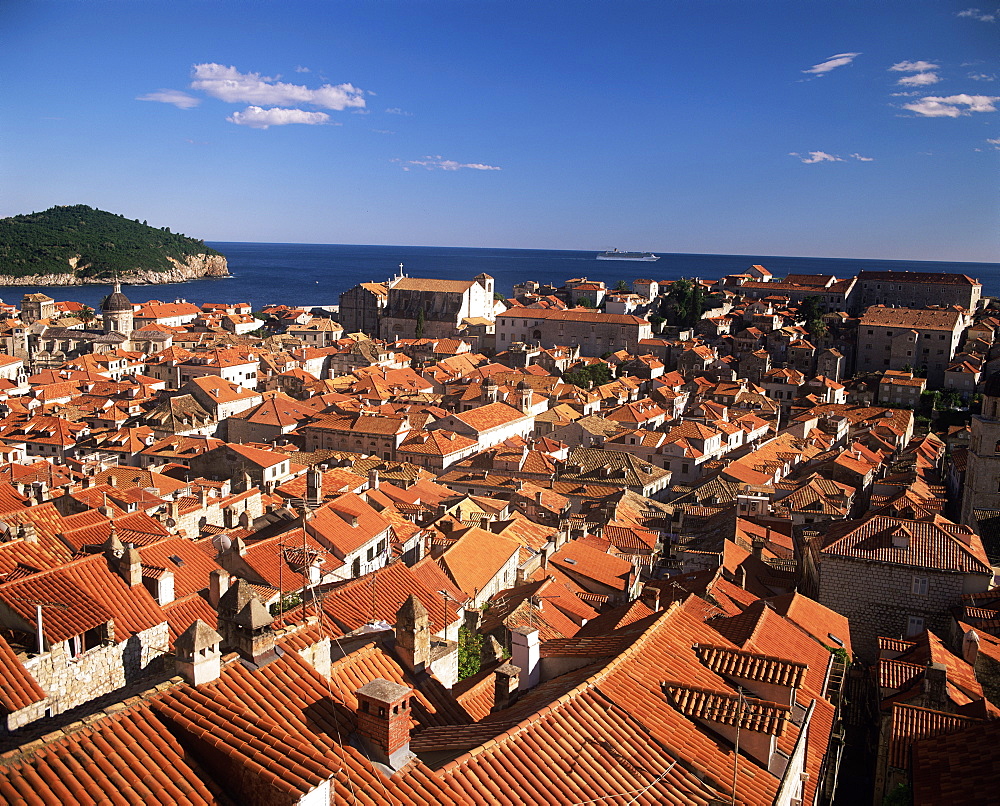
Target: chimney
[26,531]
[970,648]
[525,654]
[245,624]
[651,598]
[383,720]
[373,479]
[130,566]
[229,518]
[413,635]
[936,686]
[505,686]
[314,485]
[758,546]
[198,654]
[202,497]
[218,584]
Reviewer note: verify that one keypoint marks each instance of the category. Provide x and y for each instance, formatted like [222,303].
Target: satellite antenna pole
[304,557]
[281,587]
[40,636]
[736,753]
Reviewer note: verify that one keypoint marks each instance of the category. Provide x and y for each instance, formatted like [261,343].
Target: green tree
[585,302]
[592,375]
[686,302]
[622,286]
[420,323]
[812,311]
[87,315]
[470,646]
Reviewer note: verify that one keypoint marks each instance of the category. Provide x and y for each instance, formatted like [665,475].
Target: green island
[95,245]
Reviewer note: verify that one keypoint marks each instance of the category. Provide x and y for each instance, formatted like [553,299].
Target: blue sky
[839,129]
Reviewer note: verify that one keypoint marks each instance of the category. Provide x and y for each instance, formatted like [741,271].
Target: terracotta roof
[917,319]
[752,666]
[937,278]
[910,723]
[728,709]
[380,594]
[18,689]
[577,559]
[573,315]
[476,558]
[938,544]
[938,779]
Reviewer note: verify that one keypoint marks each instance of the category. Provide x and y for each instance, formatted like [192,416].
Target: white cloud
[257,118]
[230,85]
[995,141]
[914,67]
[395,110]
[982,77]
[179,99]
[859,158]
[903,94]
[951,106]
[816,156]
[438,163]
[919,80]
[839,60]
[301,69]
[976,14]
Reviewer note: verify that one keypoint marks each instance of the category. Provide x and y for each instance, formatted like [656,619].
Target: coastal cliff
[193,267]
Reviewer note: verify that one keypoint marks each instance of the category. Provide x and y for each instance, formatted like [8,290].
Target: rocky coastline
[195,267]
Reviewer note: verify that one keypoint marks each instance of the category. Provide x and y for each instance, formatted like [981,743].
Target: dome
[116,302]
[523,386]
[992,387]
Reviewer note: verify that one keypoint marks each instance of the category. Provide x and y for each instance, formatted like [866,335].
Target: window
[918,586]
[914,626]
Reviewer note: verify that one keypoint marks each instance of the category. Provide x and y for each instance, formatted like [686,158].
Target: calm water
[315,274]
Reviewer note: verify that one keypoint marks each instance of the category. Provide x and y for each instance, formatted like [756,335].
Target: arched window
[996,448]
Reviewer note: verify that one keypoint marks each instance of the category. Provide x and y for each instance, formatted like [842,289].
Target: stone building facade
[916,289]
[982,476]
[596,333]
[361,307]
[436,308]
[904,338]
[894,577]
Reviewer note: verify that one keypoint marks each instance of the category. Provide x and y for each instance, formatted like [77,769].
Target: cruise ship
[614,254]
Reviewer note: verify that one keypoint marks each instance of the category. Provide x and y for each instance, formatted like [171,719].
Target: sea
[314,275]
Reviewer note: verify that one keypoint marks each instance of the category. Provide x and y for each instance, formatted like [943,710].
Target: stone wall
[877,599]
[70,682]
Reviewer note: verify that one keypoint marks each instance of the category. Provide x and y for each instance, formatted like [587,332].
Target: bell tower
[982,475]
